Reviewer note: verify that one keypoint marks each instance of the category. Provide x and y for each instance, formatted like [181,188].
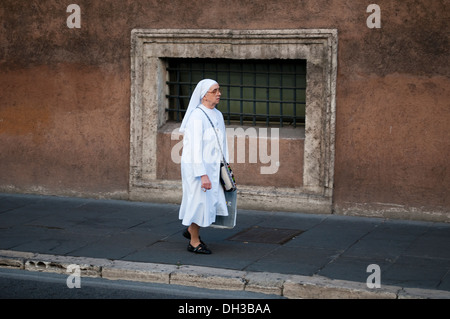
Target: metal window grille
[254,92]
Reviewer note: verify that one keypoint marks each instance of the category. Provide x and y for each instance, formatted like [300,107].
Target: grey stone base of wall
[393,211]
[249,197]
[254,198]
[291,200]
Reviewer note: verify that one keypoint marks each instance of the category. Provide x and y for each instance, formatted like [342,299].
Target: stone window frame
[149,48]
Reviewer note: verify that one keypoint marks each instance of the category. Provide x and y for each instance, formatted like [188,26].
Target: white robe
[201,155]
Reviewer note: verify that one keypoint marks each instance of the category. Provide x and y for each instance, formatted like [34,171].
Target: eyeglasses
[216,91]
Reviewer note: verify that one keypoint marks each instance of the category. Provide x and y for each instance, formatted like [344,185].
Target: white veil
[196,98]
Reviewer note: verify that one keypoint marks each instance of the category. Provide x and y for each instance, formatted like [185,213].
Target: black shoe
[187,235]
[200,249]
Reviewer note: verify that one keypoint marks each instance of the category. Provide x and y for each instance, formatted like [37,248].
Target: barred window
[254,92]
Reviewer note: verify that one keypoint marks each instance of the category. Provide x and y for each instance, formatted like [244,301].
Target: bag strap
[214,129]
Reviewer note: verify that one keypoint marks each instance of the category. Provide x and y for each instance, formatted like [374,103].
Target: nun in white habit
[203,195]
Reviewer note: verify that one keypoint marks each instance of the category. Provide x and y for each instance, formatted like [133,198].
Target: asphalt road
[22,284]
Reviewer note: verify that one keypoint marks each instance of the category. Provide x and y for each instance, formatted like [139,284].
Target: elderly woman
[203,195]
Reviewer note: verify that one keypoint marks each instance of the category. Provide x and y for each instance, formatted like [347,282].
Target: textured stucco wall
[65,94]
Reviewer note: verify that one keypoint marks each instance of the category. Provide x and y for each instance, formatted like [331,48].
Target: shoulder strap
[214,129]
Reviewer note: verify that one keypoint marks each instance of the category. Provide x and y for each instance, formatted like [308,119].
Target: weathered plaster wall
[65,94]
[393,136]
[63,130]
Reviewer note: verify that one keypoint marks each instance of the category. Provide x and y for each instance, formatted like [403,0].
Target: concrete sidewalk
[289,254]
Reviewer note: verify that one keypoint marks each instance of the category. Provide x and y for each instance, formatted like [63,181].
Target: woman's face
[212,97]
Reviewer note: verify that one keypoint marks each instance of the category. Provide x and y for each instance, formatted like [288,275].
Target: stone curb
[289,286]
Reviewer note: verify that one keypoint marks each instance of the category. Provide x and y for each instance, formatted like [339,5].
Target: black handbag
[227,177]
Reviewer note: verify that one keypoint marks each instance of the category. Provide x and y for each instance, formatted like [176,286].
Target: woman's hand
[206,183]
